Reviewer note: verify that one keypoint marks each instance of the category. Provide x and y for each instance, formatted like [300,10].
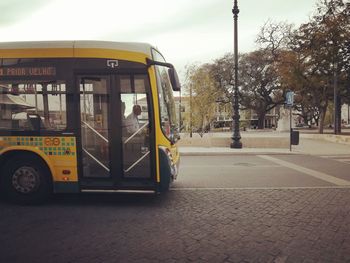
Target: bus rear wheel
[26,180]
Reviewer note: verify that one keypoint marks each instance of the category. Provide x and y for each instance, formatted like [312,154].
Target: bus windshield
[167,105]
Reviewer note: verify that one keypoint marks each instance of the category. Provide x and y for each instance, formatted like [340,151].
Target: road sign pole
[291,130]
[289,103]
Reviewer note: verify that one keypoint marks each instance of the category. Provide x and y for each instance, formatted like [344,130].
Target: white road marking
[316,174]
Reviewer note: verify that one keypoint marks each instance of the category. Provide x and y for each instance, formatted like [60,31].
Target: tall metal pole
[236,138]
[335,87]
[180,120]
[191,111]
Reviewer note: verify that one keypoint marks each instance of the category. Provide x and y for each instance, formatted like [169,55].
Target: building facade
[222,119]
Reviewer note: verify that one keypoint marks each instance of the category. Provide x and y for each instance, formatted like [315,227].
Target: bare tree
[261,88]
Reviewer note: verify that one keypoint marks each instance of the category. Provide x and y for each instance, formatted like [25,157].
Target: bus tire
[26,180]
[165,181]
[165,172]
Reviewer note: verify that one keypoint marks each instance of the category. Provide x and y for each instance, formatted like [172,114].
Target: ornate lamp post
[236,138]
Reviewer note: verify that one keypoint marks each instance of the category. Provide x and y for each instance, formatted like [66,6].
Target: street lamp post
[236,138]
[191,111]
[335,96]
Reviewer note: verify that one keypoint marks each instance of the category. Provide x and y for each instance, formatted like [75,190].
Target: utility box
[294,137]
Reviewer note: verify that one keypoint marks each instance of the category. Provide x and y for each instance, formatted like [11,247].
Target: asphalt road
[263,171]
[266,208]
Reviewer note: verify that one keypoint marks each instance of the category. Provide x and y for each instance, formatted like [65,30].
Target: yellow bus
[80,116]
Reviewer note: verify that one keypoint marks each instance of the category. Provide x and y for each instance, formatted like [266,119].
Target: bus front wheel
[26,180]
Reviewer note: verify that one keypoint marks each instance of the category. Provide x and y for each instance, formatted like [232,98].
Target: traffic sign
[289,98]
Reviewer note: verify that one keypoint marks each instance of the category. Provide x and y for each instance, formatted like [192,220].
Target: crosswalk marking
[316,174]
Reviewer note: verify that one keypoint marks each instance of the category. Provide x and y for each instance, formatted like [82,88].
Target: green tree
[200,84]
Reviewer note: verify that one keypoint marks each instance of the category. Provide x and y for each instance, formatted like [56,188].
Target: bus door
[134,96]
[115,134]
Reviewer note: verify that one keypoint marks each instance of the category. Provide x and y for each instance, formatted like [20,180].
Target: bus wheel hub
[26,180]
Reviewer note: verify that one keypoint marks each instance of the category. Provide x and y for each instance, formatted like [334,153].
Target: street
[239,208]
[263,171]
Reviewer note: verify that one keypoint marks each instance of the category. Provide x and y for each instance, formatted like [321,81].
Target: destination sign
[31,71]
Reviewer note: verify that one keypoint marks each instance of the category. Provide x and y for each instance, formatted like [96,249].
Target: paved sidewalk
[308,144]
[214,226]
[321,147]
[188,150]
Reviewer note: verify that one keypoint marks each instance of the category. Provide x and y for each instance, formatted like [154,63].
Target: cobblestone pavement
[237,225]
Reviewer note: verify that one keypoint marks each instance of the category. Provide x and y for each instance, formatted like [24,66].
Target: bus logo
[52,141]
[111,63]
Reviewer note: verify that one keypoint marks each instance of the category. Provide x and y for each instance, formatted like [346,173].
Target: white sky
[185,31]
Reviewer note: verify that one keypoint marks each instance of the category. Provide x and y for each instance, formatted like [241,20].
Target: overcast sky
[185,31]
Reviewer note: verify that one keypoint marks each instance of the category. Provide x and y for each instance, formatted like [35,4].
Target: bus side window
[20,102]
[134,102]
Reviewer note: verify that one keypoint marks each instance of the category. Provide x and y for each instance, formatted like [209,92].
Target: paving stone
[247,225]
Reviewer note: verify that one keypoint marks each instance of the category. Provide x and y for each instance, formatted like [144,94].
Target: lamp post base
[236,145]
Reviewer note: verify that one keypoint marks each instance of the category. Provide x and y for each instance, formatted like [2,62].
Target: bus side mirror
[174,79]
[173,138]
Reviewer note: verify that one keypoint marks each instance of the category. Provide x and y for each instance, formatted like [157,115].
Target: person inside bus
[131,121]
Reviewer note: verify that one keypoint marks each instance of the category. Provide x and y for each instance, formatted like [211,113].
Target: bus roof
[71,48]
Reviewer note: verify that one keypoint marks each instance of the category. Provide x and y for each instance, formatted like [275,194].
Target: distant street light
[236,139]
